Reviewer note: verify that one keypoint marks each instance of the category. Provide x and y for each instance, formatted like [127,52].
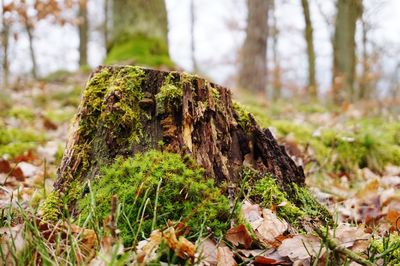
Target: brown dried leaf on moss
[300,247]
[225,257]
[239,236]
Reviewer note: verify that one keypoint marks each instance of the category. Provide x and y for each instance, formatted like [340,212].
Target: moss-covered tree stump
[127,111]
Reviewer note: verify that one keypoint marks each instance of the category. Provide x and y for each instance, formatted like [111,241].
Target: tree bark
[139,33]
[29,31]
[344,50]
[83,33]
[276,77]
[253,59]
[201,122]
[5,34]
[312,89]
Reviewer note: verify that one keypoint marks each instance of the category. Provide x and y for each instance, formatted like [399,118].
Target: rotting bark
[126,110]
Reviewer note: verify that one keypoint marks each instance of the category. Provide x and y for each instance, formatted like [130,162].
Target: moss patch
[183,195]
[242,115]
[291,207]
[15,142]
[386,249]
[51,207]
[141,50]
[169,96]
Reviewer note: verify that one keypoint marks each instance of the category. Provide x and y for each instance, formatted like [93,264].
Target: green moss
[242,114]
[51,207]
[303,198]
[183,195]
[386,249]
[269,194]
[15,142]
[123,114]
[58,76]
[140,50]
[170,95]
[68,97]
[22,113]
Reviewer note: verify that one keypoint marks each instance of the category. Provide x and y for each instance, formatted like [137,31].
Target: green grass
[14,142]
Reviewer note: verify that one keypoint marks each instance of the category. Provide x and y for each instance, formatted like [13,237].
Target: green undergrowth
[153,188]
[372,142]
[14,142]
[140,50]
[292,207]
[386,250]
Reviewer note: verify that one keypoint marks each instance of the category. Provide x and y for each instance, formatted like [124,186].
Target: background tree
[344,50]
[139,33]
[5,33]
[276,73]
[83,33]
[253,58]
[192,36]
[308,33]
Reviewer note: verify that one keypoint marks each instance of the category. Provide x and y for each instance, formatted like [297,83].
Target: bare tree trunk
[192,36]
[29,30]
[312,89]
[253,59]
[276,77]
[344,50]
[364,85]
[5,33]
[105,24]
[139,32]
[83,33]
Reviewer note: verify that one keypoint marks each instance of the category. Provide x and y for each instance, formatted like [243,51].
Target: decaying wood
[205,126]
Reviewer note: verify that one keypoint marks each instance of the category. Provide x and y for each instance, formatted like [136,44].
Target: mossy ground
[354,143]
[14,142]
[154,188]
[292,207]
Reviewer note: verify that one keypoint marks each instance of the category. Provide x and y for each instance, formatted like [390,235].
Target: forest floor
[351,157]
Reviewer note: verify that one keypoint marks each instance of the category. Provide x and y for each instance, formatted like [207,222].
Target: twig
[335,246]
[113,226]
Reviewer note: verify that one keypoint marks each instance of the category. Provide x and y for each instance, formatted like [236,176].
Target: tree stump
[126,110]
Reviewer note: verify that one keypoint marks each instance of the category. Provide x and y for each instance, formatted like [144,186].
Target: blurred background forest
[341,51]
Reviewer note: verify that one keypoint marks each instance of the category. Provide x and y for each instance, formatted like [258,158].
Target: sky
[219,32]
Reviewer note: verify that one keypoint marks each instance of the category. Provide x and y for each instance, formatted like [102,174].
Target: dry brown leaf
[300,247]
[271,227]
[251,213]
[348,235]
[5,166]
[225,257]
[239,236]
[207,251]
[11,239]
[393,215]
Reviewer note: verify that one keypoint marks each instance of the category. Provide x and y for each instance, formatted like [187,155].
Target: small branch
[335,246]
[113,226]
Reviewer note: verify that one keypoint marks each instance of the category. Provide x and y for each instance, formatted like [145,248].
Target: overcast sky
[218,36]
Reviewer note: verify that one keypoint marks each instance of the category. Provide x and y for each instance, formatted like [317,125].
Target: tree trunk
[126,110]
[276,75]
[308,34]
[139,32]
[344,50]
[83,33]
[253,60]
[29,30]
[5,34]
[195,67]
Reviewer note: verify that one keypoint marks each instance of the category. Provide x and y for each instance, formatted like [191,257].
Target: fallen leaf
[300,247]
[207,251]
[239,236]
[271,227]
[225,257]
[5,166]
